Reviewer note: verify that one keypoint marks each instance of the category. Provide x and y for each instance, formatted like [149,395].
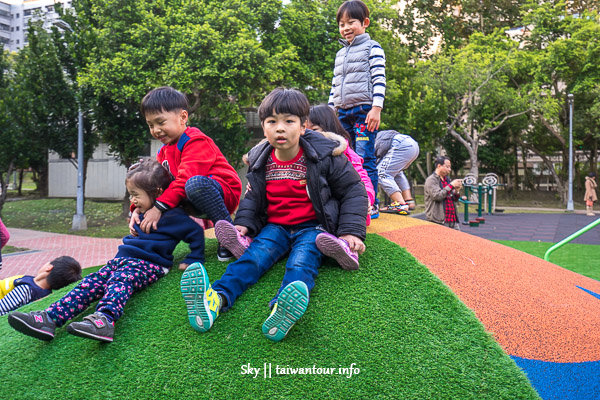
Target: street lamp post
[570,195]
[79,219]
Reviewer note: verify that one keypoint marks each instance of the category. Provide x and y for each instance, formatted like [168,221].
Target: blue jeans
[269,246]
[363,140]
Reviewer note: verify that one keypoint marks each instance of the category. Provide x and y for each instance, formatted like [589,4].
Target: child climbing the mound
[140,261]
[297,190]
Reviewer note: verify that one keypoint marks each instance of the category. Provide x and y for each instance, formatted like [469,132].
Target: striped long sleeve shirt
[16,298]
[376,65]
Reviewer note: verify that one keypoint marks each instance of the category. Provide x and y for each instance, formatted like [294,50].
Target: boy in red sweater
[201,174]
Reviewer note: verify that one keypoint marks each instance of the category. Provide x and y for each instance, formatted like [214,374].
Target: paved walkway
[46,246]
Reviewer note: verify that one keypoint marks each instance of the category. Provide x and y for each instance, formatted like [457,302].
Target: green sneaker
[202,302]
[291,305]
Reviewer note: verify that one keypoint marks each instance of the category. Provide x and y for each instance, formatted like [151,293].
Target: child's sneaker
[202,302]
[36,324]
[375,211]
[291,305]
[94,326]
[229,237]
[223,253]
[397,208]
[338,249]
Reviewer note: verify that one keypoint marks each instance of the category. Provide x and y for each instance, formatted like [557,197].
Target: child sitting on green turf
[140,261]
[297,190]
[16,291]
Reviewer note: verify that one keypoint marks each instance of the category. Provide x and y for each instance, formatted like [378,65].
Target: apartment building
[15,16]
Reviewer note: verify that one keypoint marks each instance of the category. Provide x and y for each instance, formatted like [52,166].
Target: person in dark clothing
[297,191]
[140,261]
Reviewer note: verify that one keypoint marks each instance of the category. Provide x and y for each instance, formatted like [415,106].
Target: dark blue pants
[113,285]
[269,246]
[363,140]
[206,197]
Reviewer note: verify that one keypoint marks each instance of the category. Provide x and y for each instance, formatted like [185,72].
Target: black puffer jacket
[334,187]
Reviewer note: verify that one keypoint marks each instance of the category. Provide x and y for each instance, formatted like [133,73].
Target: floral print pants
[113,285]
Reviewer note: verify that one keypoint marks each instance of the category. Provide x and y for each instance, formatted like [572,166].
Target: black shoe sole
[21,326]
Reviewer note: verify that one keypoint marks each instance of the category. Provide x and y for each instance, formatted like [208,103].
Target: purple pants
[113,285]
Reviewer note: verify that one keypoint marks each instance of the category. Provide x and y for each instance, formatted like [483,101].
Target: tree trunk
[4,185]
[126,203]
[20,187]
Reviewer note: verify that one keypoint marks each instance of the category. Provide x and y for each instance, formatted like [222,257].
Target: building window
[18,15]
[26,12]
[18,28]
[12,29]
[17,41]
[49,8]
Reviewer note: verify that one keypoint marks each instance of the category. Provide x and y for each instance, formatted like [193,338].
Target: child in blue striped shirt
[358,85]
[16,291]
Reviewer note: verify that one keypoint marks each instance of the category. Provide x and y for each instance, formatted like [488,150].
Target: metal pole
[79,219]
[570,195]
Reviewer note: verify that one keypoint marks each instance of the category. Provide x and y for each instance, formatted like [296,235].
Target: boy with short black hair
[16,291]
[201,174]
[297,190]
[358,85]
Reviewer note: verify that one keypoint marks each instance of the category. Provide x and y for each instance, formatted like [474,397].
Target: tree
[560,56]
[471,92]
[44,105]
[456,20]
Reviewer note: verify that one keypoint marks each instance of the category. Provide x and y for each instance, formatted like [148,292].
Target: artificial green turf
[581,258]
[405,331]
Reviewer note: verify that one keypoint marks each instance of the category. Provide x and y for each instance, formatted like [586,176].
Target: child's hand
[135,219]
[183,266]
[150,221]
[355,243]
[241,229]
[373,119]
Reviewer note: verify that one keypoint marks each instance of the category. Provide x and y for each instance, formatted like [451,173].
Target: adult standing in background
[590,193]
[441,195]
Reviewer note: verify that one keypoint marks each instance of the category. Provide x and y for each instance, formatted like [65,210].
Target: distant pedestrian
[441,195]
[590,193]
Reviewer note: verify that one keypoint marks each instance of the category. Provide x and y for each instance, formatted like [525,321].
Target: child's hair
[324,116]
[441,160]
[65,270]
[354,9]
[149,176]
[284,101]
[592,174]
[164,99]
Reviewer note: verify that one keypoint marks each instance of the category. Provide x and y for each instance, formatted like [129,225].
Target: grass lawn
[405,333]
[56,215]
[581,258]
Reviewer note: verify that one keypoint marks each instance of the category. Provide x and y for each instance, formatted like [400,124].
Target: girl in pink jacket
[322,119]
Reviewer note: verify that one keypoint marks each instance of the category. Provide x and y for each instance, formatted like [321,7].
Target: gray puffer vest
[352,73]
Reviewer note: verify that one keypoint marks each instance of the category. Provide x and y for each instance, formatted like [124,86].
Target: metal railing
[573,236]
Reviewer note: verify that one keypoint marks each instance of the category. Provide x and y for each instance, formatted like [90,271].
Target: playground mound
[392,329]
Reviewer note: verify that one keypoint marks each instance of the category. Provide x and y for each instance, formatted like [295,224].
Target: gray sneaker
[36,324]
[94,326]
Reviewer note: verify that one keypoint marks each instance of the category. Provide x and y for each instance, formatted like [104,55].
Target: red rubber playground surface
[545,317]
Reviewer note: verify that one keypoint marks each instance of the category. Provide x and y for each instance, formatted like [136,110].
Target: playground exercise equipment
[571,237]
[475,194]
